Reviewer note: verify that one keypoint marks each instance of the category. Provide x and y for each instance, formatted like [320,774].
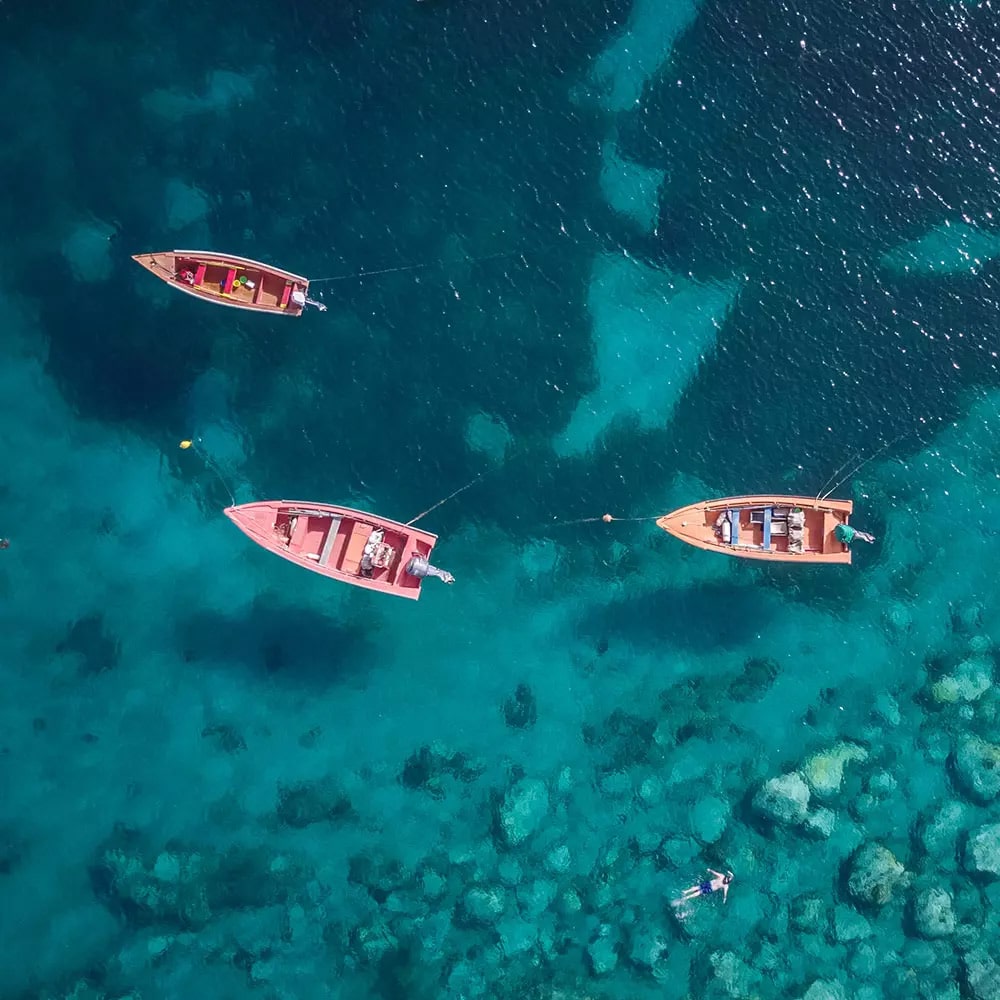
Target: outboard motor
[419,567]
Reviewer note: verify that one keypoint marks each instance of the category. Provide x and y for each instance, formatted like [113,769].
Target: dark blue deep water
[629,255]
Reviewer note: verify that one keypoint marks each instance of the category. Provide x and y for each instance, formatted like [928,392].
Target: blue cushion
[734,517]
[766,544]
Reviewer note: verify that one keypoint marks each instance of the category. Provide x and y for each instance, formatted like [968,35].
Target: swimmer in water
[4,543]
[707,887]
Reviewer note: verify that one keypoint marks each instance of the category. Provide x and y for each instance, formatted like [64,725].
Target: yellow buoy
[186,444]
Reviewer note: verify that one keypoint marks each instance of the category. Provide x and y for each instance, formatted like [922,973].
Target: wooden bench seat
[355,547]
[285,296]
[199,274]
[331,537]
[227,285]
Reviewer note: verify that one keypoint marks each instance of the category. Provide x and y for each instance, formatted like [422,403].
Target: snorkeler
[4,543]
[707,888]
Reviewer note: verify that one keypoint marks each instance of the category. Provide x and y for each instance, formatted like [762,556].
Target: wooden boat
[344,544]
[780,529]
[231,281]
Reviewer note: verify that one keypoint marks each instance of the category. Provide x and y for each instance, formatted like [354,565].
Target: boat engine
[419,567]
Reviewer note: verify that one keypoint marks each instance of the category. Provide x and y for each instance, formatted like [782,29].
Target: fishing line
[861,465]
[606,518]
[189,443]
[461,489]
[416,267]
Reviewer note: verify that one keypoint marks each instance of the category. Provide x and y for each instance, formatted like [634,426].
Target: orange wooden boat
[343,544]
[231,281]
[780,529]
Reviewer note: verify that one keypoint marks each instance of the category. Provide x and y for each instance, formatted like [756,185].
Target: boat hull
[215,277]
[764,527]
[332,540]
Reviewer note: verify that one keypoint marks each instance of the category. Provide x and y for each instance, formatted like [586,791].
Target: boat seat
[199,275]
[227,285]
[734,517]
[766,541]
[285,296]
[355,547]
[299,532]
[331,537]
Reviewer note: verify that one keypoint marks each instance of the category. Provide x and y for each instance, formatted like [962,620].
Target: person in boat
[299,298]
[187,277]
[845,534]
[706,888]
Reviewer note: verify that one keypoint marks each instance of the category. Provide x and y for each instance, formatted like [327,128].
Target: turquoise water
[731,246]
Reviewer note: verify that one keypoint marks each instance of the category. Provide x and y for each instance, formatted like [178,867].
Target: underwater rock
[971,679]
[977,768]
[897,618]
[821,823]
[825,771]
[887,709]
[185,887]
[517,936]
[378,874]
[603,952]
[628,738]
[824,989]
[939,834]
[523,809]
[982,852]
[558,859]
[807,913]
[981,974]
[535,899]
[484,905]
[875,874]
[784,799]
[184,205]
[932,914]
[88,251]
[849,925]
[521,712]
[759,673]
[488,435]
[647,948]
[311,802]
[425,769]
[709,818]
[732,974]
[370,943]
[226,738]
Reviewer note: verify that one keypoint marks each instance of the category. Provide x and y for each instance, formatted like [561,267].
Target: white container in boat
[727,531]
[249,284]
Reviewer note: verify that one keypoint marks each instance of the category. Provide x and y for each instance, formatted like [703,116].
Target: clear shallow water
[219,777]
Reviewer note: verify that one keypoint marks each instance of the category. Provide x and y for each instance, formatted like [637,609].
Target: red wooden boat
[344,544]
[780,529]
[231,281]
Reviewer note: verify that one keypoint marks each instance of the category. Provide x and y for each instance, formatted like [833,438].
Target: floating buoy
[607,519]
[186,444]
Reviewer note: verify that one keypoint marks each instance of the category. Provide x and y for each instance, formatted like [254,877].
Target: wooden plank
[331,537]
